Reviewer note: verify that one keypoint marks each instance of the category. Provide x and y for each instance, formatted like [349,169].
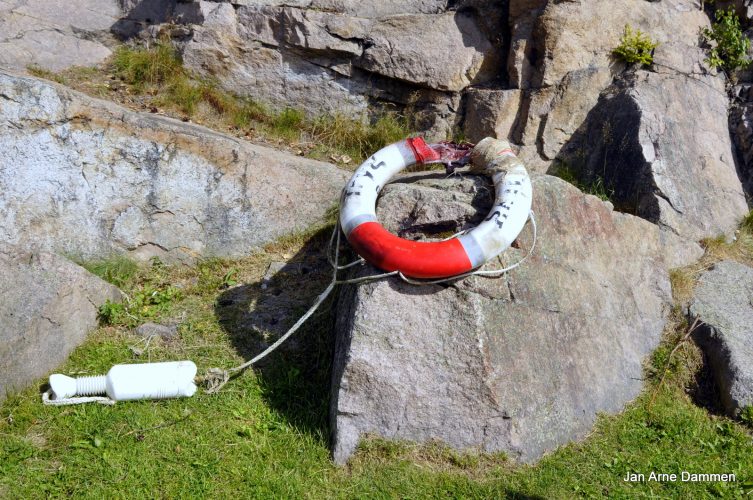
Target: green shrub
[635,47]
[729,45]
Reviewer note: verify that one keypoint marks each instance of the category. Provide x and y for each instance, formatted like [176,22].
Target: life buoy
[440,259]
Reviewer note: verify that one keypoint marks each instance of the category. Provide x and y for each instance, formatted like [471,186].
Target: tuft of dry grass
[717,249]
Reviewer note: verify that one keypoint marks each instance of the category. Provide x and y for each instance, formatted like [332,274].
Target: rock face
[49,304]
[343,56]
[723,300]
[660,162]
[85,177]
[520,364]
[560,54]
[56,34]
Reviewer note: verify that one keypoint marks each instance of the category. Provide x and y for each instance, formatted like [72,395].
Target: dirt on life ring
[440,259]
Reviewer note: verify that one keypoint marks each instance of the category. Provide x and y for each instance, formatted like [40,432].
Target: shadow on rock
[295,378]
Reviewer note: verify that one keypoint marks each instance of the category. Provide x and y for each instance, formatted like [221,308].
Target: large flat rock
[520,364]
[48,306]
[723,301]
[89,178]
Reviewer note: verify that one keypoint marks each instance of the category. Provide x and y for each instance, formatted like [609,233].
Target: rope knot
[214,380]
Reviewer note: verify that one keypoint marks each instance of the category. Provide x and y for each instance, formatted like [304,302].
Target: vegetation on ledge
[154,79]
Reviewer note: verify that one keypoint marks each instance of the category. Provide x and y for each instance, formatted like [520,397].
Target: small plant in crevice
[729,45]
[596,187]
[635,47]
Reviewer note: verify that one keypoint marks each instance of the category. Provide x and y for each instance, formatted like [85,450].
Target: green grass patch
[41,72]
[266,433]
[118,270]
[141,67]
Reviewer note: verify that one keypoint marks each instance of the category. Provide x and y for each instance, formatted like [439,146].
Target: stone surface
[348,58]
[520,364]
[450,54]
[561,53]
[148,330]
[88,178]
[550,116]
[660,142]
[49,304]
[56,34]
[723,300]
[491,113]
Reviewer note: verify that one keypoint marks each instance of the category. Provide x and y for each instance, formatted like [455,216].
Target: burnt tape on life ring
[436,259]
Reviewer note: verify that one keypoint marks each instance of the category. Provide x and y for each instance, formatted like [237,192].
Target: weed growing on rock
[729,45]
[635,47]
[747,223]
[596,187]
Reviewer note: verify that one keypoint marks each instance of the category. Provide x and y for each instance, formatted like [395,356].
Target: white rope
[49,401]
[216,378]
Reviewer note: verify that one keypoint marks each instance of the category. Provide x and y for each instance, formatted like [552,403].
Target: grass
[155,79]
[596,187]
[266,434]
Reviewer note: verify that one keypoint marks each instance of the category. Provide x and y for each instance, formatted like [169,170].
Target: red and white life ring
[512,205]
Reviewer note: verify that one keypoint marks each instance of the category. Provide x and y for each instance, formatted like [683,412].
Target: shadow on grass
[295,378]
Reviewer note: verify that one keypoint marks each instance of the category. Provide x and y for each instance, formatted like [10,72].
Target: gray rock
[723,300]
[156,330]
[450,54]
[520,364]
[85,177]
[661,143]
[566,40]
[49,305]
[347,58]
[549,116]
[56,34]
[491,113]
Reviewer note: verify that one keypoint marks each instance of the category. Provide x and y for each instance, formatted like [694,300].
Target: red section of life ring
[421,150]
[418,259]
